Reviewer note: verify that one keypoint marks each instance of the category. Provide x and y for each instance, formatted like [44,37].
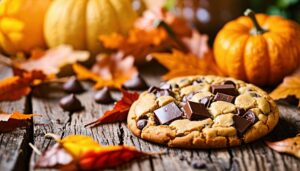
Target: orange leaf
[289,145]
[180,64]
[120,110]
[289,87]
[9,122]
[111,71]
[109,157]
[51,61]
[13,88]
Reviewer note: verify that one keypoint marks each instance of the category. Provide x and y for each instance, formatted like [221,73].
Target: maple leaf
[51,61]
[13,88]
[120,110]
[111,71]
[289,87]
[9,122]
[181,64]
[289,145]
[80,152]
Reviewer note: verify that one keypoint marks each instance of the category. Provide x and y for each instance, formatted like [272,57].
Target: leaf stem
[257,28]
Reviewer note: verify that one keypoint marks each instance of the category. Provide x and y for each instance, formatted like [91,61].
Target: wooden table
[15,153]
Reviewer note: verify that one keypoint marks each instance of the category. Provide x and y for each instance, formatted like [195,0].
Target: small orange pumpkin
[260,49]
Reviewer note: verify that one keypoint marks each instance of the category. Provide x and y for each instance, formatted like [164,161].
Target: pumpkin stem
[171,33]
[257,28]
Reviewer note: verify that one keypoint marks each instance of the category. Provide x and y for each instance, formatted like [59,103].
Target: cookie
[203,112]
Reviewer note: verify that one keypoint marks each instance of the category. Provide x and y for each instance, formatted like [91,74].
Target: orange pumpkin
[260,49]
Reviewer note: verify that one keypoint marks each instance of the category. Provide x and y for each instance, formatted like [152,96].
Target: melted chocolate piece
[206,101]
[228,89]
[164,92]
[242,123]
[195,111]
[141,123]
[195,82]
[135,83]
[168,113]
[240,111]
[153,89]
[188,97]
[253,94]
[229,82]
[224,97]
[70,103]
[103,96]
[73,86]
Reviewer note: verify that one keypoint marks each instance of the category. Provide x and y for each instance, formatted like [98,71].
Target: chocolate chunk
[228,89]
[70,103]
[153,89]
[141,123]
[240,111]
[229,82]
[242,123]
[198,164]
[135,83]
[73,86]
[253,94]
[224,97]
[164,92]
[195,111]
[168,113]
[188,97]
[103,96]
[206,101]
[250,116]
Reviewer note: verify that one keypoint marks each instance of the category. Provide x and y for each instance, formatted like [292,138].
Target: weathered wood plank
[254,156]
[14,145]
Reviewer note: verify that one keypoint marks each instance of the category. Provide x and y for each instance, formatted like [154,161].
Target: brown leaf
[119,112]
[13,88]
[289,87]
[109,157]
[52,60]
[111,71]
[9,122]
[289,146]
[180,64]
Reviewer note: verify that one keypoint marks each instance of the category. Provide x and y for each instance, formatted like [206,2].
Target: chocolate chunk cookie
[215,112]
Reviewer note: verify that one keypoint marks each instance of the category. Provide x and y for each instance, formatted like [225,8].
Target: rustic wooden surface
[15,153]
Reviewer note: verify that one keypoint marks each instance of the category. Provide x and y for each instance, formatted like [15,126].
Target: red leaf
[109,157]
[120,110]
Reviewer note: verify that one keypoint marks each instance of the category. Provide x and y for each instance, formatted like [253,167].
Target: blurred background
[208,16]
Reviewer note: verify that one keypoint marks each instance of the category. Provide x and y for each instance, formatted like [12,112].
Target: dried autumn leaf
[52,60]
[289,145]
[180,64]
[9,122]
[13,88]
[119,112]
[289,87]
[109,157]
[111,71]
[86,154]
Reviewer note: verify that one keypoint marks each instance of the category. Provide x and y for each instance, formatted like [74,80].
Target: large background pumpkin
[260,51]
[21,25]
[80,22]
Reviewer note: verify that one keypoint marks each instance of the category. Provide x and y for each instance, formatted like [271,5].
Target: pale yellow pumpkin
[80,22]
[21,25]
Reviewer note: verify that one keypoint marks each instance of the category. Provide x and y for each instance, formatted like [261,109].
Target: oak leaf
[289,87]
[13,88]
[9,122]
[119,112]
[83,153]
[289,145]
[51,61]
[181,64]
[111,71]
